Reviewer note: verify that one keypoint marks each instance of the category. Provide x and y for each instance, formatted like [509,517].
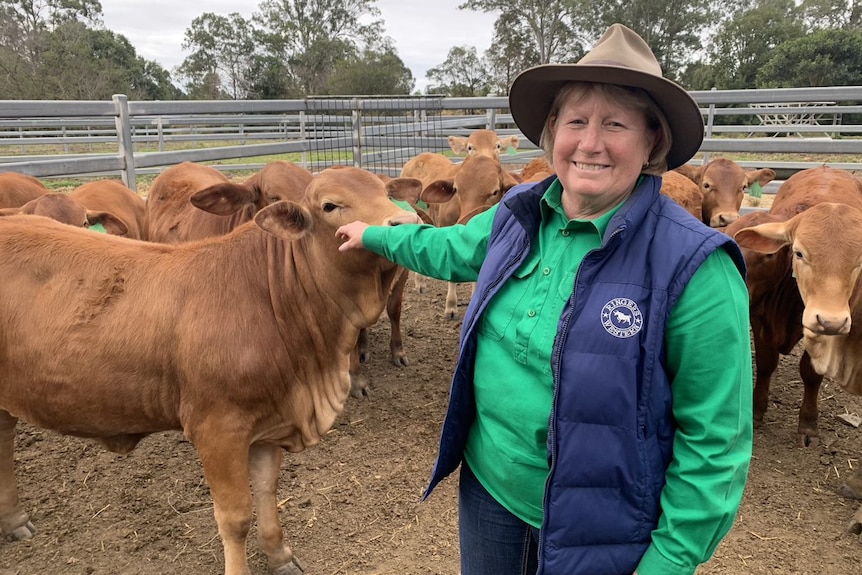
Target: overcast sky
[423,32]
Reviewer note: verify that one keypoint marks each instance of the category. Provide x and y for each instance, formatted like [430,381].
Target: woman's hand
[352,234]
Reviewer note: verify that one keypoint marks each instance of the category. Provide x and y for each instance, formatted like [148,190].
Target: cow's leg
[419,282]
[393,310]
[807,434]
[765,361]
[14,521]
[225,459]
[362,346]
[358,383]
[451,309]
[855,525]
[265,466]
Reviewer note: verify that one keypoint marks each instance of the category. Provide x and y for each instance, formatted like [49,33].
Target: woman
[600,409]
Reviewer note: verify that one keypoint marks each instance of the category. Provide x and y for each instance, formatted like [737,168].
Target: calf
[241,342]
[482,143]
[67,210]
[723,183]
[810,256]
[457,192]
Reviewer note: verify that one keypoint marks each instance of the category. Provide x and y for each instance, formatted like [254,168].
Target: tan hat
[620,57]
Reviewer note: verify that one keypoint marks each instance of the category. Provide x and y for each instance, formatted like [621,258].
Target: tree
[552,33]
[462,74]
[221,46]
[744,44]
[511,51]
[312,36]
[375,72]
[822,58]
[671,28]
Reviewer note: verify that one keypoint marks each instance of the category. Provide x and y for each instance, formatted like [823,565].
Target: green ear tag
[754,190]
[98,228]
[510,151]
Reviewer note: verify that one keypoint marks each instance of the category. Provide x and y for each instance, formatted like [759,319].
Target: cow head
[482,143]
[723,184]
[478,183]
[66,210]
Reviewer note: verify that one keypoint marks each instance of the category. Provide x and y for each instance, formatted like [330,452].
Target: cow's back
[18,189]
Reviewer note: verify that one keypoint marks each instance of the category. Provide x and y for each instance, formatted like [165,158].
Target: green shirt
[513,383]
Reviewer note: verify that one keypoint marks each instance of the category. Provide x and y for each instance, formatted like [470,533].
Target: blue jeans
[493,541]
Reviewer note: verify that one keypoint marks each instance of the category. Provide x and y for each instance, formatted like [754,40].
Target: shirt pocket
[500,312]
[567,285]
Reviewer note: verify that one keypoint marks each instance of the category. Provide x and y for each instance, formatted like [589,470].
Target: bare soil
[352,504]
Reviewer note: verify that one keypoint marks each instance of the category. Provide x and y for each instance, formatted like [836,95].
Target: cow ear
[222,199]
[765,238]
[693,173]
[404,189]
[286,220]
[438,192]
[458,144]
[762,176]
[9,212]
[112,224]
[511,142]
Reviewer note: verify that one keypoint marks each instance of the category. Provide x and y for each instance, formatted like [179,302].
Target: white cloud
[423,32]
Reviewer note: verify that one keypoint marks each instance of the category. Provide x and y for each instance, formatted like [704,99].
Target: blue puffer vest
[611,428]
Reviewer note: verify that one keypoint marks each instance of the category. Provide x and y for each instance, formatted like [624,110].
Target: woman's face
[600,148]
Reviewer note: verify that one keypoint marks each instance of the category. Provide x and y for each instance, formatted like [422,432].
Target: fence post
[710,119]
[357,129]
[124,140]
[303,136]
[491,122]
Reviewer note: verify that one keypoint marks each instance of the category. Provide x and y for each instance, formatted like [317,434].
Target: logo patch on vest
[622,318]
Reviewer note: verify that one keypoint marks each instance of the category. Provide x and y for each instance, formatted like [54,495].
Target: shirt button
[565,233]
[546,271]
[531,313]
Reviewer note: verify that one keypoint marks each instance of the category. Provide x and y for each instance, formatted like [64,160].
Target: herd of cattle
[225,310]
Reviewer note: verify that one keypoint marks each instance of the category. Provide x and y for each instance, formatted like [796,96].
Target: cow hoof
[22,532]
[852,488]
[292,568]
[806,440]
[400,360]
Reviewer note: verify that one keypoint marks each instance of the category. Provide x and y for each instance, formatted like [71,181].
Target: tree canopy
[60,49]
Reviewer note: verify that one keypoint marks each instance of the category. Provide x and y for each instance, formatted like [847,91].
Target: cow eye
[798,255]
[329,207]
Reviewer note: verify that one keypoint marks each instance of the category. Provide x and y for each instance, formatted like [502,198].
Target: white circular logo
[622,318]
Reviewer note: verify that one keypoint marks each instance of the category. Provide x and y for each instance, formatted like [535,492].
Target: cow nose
[833,325]
[724,219]
[407,218]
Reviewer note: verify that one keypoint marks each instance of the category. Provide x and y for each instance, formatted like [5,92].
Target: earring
[645,164]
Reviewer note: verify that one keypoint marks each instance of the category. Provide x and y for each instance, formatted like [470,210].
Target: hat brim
[533,91]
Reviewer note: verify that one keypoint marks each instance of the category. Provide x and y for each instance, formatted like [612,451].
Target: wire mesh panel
[378,134]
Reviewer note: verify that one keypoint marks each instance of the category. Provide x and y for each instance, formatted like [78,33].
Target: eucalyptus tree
[376,71]
[222,47]
[462,74]
[313,36]
[511,52]
[744,43]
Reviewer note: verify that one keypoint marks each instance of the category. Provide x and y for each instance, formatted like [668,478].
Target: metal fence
[129,138]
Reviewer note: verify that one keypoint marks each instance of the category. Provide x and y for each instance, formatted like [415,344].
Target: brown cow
[776,307]
[807,287]
[723,184]
[483,143]
[112,196]
[191,201]
[242,342]
[460,193]
[536,170]
[67,210]
[18,189]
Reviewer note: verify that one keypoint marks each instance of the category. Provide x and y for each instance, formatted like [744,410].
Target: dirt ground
[352,504]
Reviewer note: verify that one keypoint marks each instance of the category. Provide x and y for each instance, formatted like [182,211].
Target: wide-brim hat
[620,57]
